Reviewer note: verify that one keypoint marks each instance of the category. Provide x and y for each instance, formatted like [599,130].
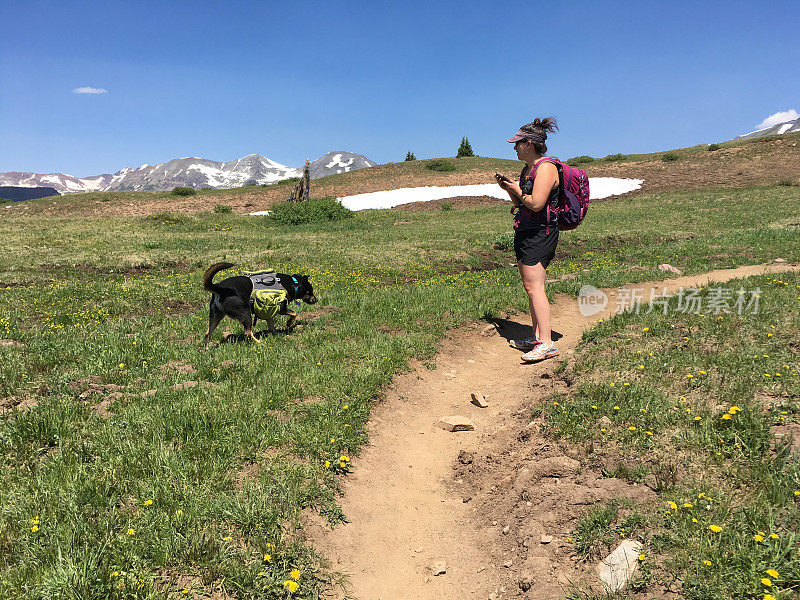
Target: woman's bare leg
[533,282]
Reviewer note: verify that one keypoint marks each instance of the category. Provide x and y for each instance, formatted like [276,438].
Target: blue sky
[294,80]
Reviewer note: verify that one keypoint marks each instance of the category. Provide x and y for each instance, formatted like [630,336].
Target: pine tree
[465,149]
[410,156]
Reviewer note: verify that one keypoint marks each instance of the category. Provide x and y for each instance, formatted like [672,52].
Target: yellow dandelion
[707,563]
[694,520]
[797,492]
[715,528]
[327,464]
[766,582]
[641,557]
[646,329]
[616,408]
[130,532]
[687,505]
[697,418]
[295,574]
[673,506]
[727,417]
[267,558]
[35,528]
[772,573]
[774,536]
[290,585]
[649,432]
[768,597]
[148,502]
[631,428]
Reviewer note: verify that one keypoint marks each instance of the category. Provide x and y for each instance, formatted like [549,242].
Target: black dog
[231,297]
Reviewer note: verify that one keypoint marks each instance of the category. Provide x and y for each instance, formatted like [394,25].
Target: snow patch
[600,187]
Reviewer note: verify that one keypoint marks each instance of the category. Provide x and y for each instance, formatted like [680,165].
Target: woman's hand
[512,187]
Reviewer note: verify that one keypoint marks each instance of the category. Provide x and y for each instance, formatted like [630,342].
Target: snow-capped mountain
[338,161]
[786,127]
[189,172]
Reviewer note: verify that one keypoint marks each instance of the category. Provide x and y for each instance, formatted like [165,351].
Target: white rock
[439,568]
[546,539]
[780,260]
[619,567]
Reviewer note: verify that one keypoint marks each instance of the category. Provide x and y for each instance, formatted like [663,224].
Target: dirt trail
[419,495]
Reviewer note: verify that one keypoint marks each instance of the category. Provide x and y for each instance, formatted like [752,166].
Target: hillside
[760,161]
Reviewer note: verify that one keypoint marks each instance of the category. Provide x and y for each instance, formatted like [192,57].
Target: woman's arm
[546,179]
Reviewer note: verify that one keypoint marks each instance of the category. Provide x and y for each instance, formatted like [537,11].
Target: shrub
[316,210]
[786,183]
[465,149]
[669,157]
[713,147]
[439,164]
[410,156]
[223,208]
[579,159]
[183,191]
[504,241]
[446,206]
[614,157]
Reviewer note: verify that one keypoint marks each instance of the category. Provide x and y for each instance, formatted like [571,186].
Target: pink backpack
[573,197]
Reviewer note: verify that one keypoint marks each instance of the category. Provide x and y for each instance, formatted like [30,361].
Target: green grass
[699,397]
[231,464]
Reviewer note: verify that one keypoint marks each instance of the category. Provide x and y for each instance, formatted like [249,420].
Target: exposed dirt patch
[457,203]
[179,307]
[177,367]
[10,403]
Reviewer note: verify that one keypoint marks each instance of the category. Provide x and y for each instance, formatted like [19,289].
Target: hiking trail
[419,496]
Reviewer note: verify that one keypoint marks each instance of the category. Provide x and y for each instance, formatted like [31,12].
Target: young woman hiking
[535,230]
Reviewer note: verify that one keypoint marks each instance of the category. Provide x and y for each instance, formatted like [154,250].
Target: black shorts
[535,245]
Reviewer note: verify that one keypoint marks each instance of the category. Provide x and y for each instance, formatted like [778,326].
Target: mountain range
[190,172]
[785,127]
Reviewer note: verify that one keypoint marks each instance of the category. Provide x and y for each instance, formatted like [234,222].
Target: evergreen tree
[410,156]
[464,149]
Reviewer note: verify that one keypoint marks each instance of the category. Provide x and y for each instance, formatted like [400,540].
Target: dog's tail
[208,284]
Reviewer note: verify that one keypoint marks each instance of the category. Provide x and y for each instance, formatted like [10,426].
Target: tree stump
[302,189]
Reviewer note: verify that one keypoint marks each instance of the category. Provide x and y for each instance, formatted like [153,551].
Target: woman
[535,230]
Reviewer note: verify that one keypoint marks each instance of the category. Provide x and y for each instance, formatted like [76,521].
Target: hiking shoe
[525,345]
[541,352]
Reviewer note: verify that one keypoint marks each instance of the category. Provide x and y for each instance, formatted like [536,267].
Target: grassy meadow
[118,479]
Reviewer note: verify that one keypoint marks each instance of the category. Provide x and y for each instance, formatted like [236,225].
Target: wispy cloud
[89,90]
[778,118]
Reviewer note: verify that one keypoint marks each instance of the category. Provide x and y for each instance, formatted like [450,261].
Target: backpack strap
[560,170]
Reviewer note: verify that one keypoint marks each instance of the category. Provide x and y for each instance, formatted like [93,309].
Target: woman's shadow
[511,330]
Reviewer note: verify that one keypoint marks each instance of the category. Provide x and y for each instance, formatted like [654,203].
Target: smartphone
[501,177]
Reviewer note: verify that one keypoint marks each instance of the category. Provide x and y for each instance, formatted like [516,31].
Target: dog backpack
[267,295]
[573,197]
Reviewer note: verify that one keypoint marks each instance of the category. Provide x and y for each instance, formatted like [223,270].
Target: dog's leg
[214,317]
[292,317]
[248,329]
